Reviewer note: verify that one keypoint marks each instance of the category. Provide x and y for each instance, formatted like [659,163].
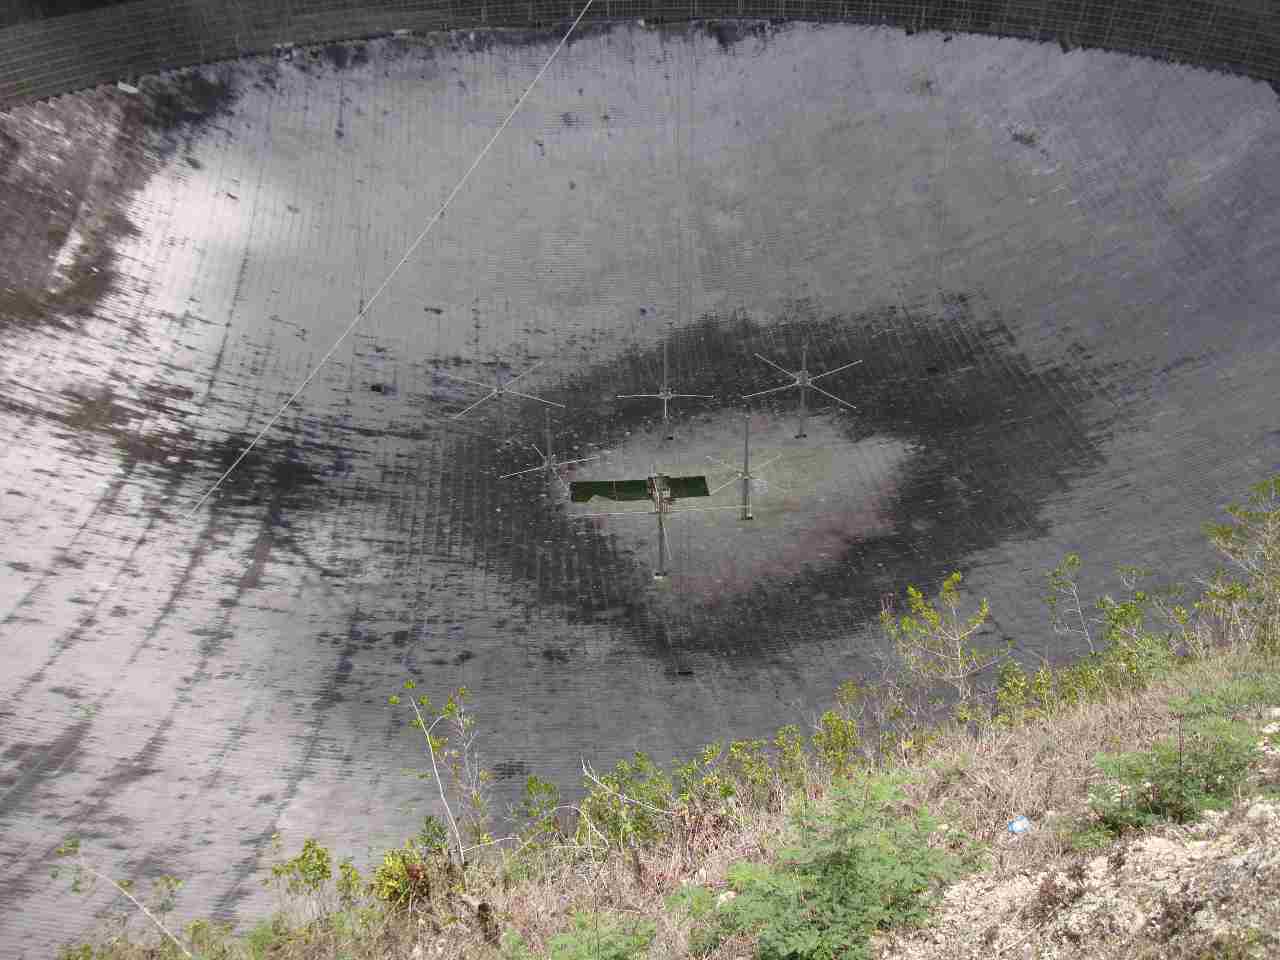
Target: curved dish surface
[1058,271]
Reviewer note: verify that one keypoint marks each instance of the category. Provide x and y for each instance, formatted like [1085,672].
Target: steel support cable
[396,269]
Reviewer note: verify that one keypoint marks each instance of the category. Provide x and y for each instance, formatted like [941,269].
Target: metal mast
[665,394]
[744,474]
[660,498]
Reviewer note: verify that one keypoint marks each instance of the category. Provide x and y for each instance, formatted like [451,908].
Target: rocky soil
[1204,890]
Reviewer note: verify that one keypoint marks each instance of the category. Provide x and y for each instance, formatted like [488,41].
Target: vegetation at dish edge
[838,841]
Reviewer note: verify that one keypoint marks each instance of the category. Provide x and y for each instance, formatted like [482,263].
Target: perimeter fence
[47,57]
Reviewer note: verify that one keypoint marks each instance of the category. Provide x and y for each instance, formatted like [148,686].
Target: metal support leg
[661,572]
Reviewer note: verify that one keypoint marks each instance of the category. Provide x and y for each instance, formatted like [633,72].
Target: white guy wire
[403,260]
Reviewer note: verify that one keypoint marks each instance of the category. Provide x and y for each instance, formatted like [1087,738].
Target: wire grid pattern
[45,58]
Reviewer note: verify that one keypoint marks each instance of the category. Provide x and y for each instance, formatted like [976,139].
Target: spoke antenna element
[745,474]
[665,395]
[498,389]
[802,379]
[549,461]
[394,270]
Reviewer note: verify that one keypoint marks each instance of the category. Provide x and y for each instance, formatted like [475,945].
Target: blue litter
[1019,825]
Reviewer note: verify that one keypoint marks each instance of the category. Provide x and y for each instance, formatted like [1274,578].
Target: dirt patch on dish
[69,170]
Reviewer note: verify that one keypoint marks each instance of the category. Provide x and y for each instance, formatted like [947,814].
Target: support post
[804,391]
[746,468]
[661,572]
[666,395]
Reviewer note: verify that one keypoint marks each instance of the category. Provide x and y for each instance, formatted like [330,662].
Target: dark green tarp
[687,487]
[581,491]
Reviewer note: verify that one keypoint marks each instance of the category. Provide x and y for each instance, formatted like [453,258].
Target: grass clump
[1232,698]
[854,867]
[1175,781]
[594,936]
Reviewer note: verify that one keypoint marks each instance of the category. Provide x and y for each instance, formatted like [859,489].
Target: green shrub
[264,935]
[601,937]
[790,759]
[837,741]
[629,805]
[210,939]
[1043,692]
[1081,682]
[857,866]
[351,886]
[747,766]
[700,784]
[1012,695]
[937,644]
[308,872]
[537,827]
[1133,656]
[1175,780]
[537,809]
[354,924]
[412,874]
[1083,835]
[1252,543]
[468,779]
[1066,608]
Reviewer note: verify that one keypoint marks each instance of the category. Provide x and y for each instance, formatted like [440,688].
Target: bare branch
[426,732]
[134,900]
[621,796]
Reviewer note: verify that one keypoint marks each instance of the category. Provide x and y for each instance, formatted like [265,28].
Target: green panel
[581,491]
[687,487]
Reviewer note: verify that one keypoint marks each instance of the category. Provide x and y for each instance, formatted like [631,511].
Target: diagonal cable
[761,393]
[836,370]
[833,397]
[530,396]
[488,396]
[396,269]
[775,366]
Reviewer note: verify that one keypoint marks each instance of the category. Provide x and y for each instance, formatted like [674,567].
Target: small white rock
[725,898]
[126,87]
[1158,847]
[1260,812]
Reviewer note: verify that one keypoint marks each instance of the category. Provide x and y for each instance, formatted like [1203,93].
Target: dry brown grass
[976,784]
[1043,770]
